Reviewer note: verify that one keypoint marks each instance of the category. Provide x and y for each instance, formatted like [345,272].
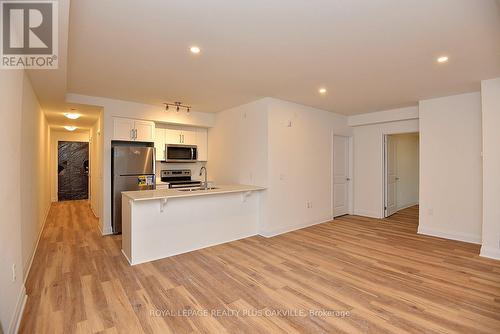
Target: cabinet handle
[132,134]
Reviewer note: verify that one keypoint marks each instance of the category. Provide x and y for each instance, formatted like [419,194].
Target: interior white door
[391,177]
[341,177]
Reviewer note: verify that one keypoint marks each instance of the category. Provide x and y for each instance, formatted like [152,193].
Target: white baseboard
[474,239]
[106,230]
[406,206]
[27,269]
[490,252]
[18,312]
[126,257]
[273,233]
[366,213]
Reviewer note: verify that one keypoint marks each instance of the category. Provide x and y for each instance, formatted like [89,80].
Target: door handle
[397,178]
[348,179]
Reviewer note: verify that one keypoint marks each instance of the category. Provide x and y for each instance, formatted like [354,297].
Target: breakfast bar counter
[166,222]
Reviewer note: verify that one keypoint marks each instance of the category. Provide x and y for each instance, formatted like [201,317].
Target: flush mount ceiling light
[71,115]
[322,90]
[194,49]
[442,59]
[178,106]
[70,128]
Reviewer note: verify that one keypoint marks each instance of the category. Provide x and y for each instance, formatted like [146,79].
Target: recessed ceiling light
[322,90]
[194,49]
[72,115]
[70,128]
[442,59]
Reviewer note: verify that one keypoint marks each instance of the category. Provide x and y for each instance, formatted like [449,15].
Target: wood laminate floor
[378,275]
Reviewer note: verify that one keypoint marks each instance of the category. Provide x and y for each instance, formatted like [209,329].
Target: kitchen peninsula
[166,222]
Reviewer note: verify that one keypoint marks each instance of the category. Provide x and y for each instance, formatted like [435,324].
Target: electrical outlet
[14,276]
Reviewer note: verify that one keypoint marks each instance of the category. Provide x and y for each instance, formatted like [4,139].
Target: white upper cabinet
[180,136]
[173,136]
[202,143]
[160,144]
[144,131]
[189,137]
[123,128]
[132,129]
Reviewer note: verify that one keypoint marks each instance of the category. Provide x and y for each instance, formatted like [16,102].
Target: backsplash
[194,167]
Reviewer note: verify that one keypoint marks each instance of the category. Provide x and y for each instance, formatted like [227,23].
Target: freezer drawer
[127,183]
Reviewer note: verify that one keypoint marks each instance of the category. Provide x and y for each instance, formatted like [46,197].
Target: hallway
[380,273]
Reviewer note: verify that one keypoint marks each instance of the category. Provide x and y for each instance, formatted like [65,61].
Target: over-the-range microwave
[181,153]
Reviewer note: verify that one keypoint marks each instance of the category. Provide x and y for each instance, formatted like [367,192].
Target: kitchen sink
[196,189]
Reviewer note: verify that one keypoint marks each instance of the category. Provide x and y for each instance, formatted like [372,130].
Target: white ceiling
[370,54]
[88,116]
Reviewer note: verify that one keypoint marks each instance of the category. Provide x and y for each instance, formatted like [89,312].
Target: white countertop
[146,195]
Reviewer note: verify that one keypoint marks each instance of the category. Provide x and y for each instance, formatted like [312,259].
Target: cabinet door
[173,136]
[202,143]
[145,131]
[160,144]
[123,128]
[188,137]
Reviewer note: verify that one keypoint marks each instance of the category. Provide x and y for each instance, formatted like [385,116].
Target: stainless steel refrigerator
[133,168]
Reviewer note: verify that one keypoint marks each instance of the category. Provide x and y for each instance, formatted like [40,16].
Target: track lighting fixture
[178,106]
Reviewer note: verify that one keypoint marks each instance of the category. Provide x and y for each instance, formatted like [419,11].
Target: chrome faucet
[201,172]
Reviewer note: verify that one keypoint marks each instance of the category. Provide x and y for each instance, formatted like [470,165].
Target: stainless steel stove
[179,178]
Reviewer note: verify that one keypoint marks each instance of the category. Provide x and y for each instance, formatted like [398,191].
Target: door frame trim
[350,160]
[383,160]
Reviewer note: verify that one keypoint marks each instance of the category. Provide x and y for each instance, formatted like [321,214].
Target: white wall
[490,93]
[368,160]
[300,165]
[55,137]
[407,169]
[24,195]
[385,116]
[237,145]
[96,151]
[134,110]
[451,168]
[35,183]
[285,147]
[12,293]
